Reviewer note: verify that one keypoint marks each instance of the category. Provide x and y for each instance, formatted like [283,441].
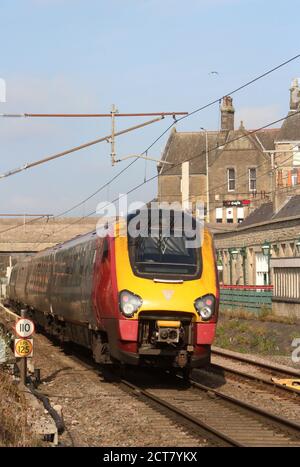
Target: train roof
[82,238]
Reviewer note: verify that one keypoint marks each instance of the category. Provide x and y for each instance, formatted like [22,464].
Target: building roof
[182,146]
[191,146]
[290,130]
[290,209]
[261,214]
[265,213]
[267,137]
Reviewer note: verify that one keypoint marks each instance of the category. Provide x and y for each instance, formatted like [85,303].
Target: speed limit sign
[23,347]
[24,327]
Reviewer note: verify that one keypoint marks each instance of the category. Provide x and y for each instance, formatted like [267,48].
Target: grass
[264,314]
[239,336]
[13,415]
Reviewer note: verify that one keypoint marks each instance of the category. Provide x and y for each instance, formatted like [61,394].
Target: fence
[286,278]
[247,297]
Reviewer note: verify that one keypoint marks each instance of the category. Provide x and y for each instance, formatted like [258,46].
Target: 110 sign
[24,327]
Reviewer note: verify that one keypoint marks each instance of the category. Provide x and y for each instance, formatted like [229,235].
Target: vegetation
[264,314]
[13,415]
[240,336]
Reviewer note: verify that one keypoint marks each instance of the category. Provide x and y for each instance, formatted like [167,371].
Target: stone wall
[19,238]
[34,235]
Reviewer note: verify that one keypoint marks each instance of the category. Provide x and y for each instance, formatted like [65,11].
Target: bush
[13,415]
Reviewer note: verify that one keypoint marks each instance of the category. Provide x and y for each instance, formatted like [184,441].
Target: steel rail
[181,414]
[282,421]
[257,378]
[241,358]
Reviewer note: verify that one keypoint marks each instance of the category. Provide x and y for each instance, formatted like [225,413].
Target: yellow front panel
[168,324]
[166,296]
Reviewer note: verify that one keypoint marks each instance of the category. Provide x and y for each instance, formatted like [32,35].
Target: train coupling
[168,331]
[181,359]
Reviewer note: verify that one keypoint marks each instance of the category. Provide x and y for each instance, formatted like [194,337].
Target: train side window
[105,250]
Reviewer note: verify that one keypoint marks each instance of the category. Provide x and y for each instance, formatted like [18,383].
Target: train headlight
[129,303]
[205,306]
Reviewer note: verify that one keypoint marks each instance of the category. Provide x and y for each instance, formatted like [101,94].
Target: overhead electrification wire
[29,165]
[169,169]
[243,86]
[136,187]
[145,152]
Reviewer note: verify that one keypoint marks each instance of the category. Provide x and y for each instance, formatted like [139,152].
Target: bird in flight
[214,73]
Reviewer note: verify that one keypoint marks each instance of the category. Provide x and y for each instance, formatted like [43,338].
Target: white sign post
[24,328]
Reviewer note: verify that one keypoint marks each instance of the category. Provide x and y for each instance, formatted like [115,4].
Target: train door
[101,282]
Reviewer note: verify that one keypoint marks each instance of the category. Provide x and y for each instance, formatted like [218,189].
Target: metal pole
[230,266]
[185,185]
[207,181]
[77,148]
[273,196]
[113,129]
[23,362]
[147,114]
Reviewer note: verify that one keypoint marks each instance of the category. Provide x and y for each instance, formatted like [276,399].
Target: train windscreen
[159,255]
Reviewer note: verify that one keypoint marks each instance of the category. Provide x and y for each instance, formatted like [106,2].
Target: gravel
[99,413]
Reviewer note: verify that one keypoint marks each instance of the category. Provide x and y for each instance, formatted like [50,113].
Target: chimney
[227,114]
[294,95]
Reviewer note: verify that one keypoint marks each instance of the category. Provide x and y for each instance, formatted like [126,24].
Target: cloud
[255,117]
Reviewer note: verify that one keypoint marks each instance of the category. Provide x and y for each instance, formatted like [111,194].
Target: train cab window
[164,256]
[163,248]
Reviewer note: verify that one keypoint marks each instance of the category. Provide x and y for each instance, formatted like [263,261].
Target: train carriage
[142,300]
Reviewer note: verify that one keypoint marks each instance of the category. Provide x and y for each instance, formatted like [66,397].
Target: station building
[236,165]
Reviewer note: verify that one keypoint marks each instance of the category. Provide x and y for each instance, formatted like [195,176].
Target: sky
[143,56]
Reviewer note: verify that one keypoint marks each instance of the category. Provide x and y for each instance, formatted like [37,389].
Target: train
[130,299]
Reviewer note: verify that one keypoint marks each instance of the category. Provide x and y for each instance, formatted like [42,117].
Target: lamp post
[207,181]
[243,252]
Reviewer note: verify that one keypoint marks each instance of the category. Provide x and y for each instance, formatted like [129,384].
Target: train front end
[167,296]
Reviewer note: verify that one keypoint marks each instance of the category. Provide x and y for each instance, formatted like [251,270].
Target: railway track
[226,420]
[206,413]
[255,370]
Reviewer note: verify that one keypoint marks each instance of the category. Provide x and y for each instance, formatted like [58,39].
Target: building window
[240,215]
[219,215]
[252,179]
[231,179]
[229,216]
[294,177]
[296,156]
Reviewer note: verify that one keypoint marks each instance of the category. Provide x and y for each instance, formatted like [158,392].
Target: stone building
[265,250]
[237,165]
[241,250]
